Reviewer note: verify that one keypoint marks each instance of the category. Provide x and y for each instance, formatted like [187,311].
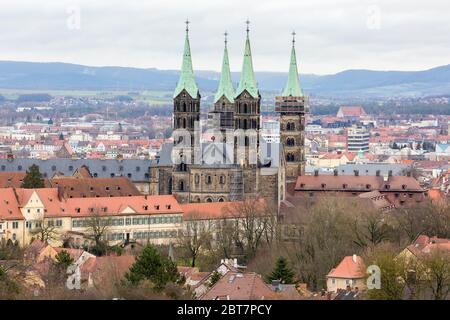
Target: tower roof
[187,79]
[247,81]
[225,85]
[293,83]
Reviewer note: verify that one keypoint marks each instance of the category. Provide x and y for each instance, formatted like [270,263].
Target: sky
[331,35]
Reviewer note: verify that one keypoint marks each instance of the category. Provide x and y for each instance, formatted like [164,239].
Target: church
[233,162]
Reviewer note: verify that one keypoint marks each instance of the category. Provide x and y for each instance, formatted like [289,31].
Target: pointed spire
[293,83]
[247,81]
[225,85]
[187,79]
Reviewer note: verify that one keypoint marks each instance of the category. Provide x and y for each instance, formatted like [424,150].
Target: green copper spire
[187,80]
[247,81]
[293,84]
[225,85]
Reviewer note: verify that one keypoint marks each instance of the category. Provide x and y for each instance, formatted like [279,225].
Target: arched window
[197,178]
[290,126]
[208,179]
[181,185]
[245,108]
[169,186]
[222,179]
[184,122]
[221,200]
[290,157]
[290,142]
[209,199]
[184,107]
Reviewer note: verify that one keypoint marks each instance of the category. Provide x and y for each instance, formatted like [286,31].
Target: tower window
[290,157]
[181,185]
[290,142]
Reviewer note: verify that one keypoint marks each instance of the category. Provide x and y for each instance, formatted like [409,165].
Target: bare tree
[226,231]
[437,273]
[194,237]
[45,231]
[255,220]
[96,228]
[370,228]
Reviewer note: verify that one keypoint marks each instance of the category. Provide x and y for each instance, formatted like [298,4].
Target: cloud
[331,36]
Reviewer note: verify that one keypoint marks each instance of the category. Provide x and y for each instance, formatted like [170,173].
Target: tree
[33,178]
[8,287]
[194,237]
[254,220]
[282,272]
[63,259]
[44,231]
[370,228]
[96,229]
[150,265]
[393,273]
[437,273]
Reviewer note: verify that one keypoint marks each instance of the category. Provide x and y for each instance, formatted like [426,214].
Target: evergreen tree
[33,178]
[150,265]
[282,272]
[63,259]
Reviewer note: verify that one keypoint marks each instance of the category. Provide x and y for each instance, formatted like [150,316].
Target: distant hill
[349,83]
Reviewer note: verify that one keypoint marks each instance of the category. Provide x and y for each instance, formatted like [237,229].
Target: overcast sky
[332,35]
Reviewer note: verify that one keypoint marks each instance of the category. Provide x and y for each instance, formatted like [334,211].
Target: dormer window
[168,206]
[77,210]
[404,186]
[302,185]
[157,207]
[323,185]
[146,208]
[344,186]
[368,186]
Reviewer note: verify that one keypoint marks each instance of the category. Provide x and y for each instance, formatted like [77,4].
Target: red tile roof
[351,267]
[9,206]
[216,210]
[239,286]
[356,183]
[14,179]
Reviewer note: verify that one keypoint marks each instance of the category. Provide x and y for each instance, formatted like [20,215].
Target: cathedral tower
[186,113]
[292,106]
[224,98]
[247,105]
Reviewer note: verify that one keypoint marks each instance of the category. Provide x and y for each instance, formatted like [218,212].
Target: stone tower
[247,110]
[224,98]
[292,106]
[186,114]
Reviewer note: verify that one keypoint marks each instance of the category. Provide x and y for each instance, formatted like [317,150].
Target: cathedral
[231,162]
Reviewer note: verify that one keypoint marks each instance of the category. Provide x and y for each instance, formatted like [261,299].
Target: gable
[128,209]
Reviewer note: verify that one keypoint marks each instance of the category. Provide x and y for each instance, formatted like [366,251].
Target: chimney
[316,172]
[354,258]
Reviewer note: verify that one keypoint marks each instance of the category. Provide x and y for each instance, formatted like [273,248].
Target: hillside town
[216,199]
